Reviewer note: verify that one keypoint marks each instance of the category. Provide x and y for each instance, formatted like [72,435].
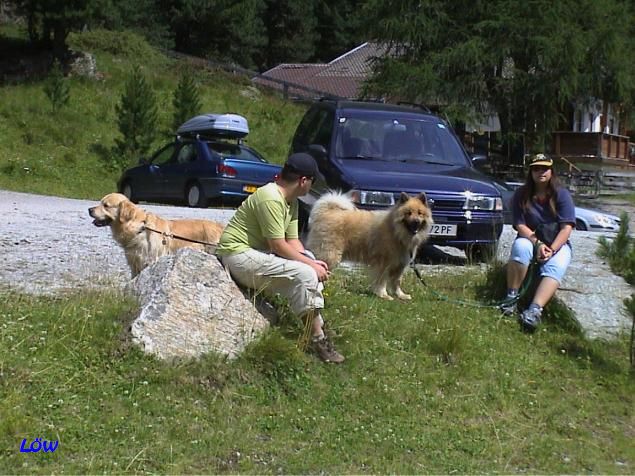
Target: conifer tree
[136,118]
[56,88]
[186,100]
[525,61]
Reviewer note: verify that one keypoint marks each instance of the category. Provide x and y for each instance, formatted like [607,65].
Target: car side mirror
[317,151]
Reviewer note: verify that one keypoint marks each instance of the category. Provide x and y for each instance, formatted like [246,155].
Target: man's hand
[289,250]
[322,270]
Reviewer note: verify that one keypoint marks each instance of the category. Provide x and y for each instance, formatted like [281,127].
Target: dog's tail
[331,201]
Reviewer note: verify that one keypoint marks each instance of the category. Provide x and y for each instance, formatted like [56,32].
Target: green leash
[495,305]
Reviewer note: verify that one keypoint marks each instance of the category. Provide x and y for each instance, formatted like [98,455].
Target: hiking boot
[509,307]
[530,319]
[323,347]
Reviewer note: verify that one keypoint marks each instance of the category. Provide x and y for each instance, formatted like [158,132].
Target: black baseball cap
[303,164]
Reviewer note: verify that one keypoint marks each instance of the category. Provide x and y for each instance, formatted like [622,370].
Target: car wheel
[127,190]
[194,196]
[580,225]
[481,253]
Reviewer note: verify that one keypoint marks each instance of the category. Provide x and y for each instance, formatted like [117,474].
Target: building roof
[343,77]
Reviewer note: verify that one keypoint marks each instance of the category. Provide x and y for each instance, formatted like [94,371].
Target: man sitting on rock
[261,249]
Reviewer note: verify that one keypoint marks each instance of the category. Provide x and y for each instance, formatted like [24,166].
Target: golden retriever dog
[386,241]
[145,236]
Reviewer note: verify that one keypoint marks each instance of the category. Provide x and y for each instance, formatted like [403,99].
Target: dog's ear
[127,211]
[423,199]
[404,197]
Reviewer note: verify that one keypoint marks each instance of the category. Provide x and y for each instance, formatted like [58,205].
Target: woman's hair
[528,190]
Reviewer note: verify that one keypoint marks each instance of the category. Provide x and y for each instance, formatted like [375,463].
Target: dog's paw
[383,295]
[403,296]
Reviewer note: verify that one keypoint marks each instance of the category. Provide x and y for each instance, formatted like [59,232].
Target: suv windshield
[386,137]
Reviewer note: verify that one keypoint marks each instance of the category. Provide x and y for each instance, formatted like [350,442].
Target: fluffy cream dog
[386,241]
[145,236]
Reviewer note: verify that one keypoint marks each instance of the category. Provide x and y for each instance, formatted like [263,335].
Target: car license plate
[443,230]
[249,188]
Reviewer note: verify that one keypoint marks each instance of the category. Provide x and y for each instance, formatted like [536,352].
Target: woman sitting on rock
[543,216]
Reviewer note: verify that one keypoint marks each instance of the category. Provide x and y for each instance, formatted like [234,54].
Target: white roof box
[215,125]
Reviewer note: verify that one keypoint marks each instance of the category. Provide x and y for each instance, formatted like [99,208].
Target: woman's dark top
[540,212]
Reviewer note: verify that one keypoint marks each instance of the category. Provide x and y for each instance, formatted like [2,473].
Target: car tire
[194,196]
[481,252]
[128,191]
[580,225]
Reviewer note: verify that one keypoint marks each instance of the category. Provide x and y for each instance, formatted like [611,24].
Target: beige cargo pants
[270,274]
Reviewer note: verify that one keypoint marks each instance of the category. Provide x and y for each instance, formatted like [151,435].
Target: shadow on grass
[22,61]
[584,354]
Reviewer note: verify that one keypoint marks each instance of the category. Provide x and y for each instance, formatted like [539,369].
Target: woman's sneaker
[530,319]
[509,307]
[325,350]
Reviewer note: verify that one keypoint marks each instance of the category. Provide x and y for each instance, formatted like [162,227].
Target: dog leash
[166,235]
[495,305]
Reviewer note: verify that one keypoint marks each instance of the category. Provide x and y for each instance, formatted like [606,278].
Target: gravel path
[49,244]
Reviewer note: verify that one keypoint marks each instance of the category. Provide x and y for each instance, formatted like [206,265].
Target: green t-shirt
[263,215]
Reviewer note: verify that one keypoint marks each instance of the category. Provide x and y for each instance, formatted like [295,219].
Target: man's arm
[289,250]
[296,244]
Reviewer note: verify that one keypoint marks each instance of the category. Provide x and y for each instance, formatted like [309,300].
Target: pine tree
[186,100]
[56,88]
[525,61]
[136,119]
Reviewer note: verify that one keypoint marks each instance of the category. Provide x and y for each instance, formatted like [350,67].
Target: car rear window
[392,137]
[234,151]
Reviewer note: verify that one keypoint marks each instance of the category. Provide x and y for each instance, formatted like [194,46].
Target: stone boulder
[83,64]
[190,306]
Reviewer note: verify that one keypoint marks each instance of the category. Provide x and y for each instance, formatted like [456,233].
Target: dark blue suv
[376,151]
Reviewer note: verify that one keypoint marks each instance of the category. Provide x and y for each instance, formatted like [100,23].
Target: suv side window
[301,138]
[315,128]
[324,129]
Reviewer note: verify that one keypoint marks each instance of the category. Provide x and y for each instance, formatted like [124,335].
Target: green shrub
[119,43]
[56,88]
[620,252]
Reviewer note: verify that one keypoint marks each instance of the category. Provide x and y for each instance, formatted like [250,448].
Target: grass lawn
[428,387]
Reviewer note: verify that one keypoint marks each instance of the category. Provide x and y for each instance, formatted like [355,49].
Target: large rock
[190,306]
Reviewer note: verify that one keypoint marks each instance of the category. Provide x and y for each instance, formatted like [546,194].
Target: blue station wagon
[197,171]
[376,151]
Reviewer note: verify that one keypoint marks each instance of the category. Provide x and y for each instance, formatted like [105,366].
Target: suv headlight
[482,202]
[369,197]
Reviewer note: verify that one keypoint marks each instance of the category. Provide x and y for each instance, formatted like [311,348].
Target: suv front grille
[447,203]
